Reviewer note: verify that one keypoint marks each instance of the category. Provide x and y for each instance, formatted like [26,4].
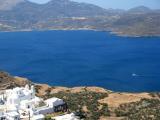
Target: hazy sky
[122,4]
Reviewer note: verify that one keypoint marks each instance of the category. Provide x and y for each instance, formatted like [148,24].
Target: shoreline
[118,34]
[24,80]
[115,91]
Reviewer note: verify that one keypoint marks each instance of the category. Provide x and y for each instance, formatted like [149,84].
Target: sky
[117,4]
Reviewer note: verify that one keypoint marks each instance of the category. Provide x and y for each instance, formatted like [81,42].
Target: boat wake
[137,75]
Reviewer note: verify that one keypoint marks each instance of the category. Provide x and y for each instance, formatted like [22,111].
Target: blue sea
[83,58]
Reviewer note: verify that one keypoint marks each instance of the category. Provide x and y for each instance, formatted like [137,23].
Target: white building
[12,115]
[21,103]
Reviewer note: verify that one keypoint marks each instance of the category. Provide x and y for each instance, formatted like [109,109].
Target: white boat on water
[134,75]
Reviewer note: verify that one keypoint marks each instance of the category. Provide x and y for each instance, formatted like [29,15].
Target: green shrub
[146,109]
[76,101]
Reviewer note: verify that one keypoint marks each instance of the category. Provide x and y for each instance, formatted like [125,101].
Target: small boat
[134,75]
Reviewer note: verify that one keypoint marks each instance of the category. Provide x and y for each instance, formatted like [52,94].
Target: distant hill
[9,4]
[140,9]
[20,15]
[22,10]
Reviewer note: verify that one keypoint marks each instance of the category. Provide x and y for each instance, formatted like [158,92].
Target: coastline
[8,79]
[119,34]
[94,102]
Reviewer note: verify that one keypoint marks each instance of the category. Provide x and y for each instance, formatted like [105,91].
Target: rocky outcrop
[7,81]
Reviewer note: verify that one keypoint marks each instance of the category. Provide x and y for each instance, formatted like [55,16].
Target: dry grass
[115,99]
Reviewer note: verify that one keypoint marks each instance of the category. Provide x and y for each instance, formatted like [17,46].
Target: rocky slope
[22,15]
[7,81]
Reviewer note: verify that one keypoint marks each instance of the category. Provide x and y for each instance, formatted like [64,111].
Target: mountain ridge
[9,4]
[21,15]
